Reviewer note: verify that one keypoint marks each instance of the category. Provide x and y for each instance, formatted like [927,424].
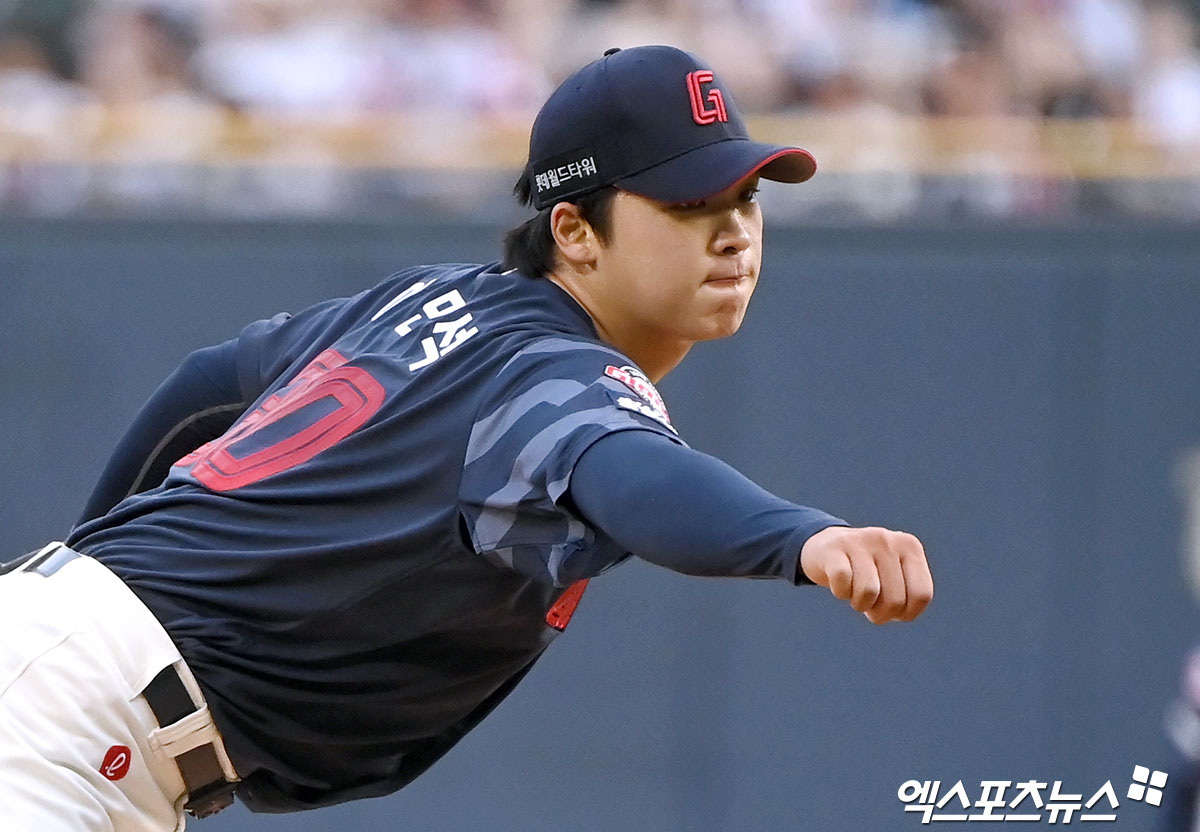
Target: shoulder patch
[639,406]
[636,380]
[651,404]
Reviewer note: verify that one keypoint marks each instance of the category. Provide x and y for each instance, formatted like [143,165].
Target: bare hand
[882,573]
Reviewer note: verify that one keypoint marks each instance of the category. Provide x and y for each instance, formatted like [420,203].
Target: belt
[208,789]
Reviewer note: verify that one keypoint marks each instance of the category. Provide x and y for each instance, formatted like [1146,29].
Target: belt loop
[54,560]
[186,734]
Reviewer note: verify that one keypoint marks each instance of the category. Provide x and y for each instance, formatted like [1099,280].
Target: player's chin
[722,324]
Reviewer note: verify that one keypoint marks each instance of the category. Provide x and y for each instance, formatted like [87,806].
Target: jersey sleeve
[550,403]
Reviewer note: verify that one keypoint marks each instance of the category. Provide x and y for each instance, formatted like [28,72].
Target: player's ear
[573,235]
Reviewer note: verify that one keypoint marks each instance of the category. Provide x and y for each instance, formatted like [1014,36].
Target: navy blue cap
[653,120]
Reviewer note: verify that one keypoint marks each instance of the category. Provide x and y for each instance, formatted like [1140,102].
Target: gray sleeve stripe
[498,516]
[552,345]
[491,428]
[576,530]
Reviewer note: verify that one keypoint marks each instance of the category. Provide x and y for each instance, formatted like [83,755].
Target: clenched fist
[882,573]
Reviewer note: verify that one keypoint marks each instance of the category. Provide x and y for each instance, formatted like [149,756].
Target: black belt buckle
[210,799]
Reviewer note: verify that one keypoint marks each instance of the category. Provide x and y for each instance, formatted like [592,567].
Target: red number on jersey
[339,398]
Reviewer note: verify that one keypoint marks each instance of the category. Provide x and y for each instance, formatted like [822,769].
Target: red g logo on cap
[701,111]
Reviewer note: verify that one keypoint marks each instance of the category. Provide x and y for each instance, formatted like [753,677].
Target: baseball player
[329,547]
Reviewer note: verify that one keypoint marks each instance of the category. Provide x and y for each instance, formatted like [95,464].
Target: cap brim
[705,171]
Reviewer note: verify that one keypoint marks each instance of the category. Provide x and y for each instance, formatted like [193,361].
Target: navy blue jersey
[371,556]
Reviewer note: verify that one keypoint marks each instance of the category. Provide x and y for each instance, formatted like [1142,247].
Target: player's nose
[734,233]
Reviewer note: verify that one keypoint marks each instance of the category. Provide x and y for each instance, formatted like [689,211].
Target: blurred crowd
[351,60]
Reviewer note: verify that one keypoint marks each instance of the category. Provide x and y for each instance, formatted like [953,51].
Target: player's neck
[654,355]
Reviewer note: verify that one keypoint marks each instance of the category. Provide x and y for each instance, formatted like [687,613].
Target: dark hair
[530,248]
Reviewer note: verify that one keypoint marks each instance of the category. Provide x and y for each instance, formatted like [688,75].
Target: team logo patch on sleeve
[649,403]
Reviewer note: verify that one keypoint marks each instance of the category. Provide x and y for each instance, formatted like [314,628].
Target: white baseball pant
[80,749]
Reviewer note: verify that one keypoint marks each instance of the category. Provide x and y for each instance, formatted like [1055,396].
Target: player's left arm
[692,513]
[209,390]
[203,397]
[194,405]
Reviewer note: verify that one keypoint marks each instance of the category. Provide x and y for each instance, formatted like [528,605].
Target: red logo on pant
[116,762]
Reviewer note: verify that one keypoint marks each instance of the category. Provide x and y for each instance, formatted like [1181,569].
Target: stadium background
[977,323]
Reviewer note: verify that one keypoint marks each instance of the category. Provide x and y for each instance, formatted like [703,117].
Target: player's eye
[750,194]
[698,205]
